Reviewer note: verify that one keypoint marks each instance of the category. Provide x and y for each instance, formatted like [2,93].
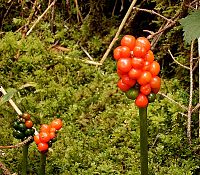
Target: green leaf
[8,96]
[191,26]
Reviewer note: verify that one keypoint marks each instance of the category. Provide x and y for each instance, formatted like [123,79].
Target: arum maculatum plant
[138,72]
[45,138]
[24,131]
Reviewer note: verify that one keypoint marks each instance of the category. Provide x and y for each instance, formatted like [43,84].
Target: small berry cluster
[23,127]
[47,135]
[137,69]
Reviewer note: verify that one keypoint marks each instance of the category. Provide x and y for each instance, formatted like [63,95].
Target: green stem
[143,141]
[42,164]
[24,159]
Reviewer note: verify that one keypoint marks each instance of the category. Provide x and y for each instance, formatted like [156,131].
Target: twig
[151,32]
[157,137]
[194,2]
[60,48]
[67,7]
[191,96]
[157,37]
[31,14]
[175,18]
[153,12]
[78,11]
[184,7]
[40,17]
[159,33]
[182,114]
[195,66]
[118,32]
[11,102]
[52,18]
[169,24]
[5,170]
[113,11]
[196,108]
[177,61]
[161,30]
[38,9]
[18,145]
[86,53]
[173,101]
[25,27]
[192,5]
[7,11]
[54,45]
[19,29]
[92,62]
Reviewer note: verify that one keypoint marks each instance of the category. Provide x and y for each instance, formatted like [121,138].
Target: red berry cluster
[137,69]
[47,135]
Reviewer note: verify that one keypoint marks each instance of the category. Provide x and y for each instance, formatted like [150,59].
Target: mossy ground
[100,134]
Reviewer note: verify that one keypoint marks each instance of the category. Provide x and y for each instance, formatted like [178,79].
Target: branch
[78,11]
[164,27]
[113,11]
[153,12]
[185,7]
[194,2]
[86,52]
[118,32]
[92,62]
[151,32]
[18,144]
[189,121]
[161,30]
[52,20]
[32,13]
[169,24]
[157,137]
[7,11]
[177,61]
[192,5]
[195,66]
[40,17]
[182,114]
[173,101]
[196,108]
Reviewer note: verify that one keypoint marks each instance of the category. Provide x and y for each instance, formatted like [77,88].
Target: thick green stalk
[42,163]
[24,159]
[143,141]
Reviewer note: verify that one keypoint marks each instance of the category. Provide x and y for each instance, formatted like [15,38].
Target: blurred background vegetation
[101,126]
